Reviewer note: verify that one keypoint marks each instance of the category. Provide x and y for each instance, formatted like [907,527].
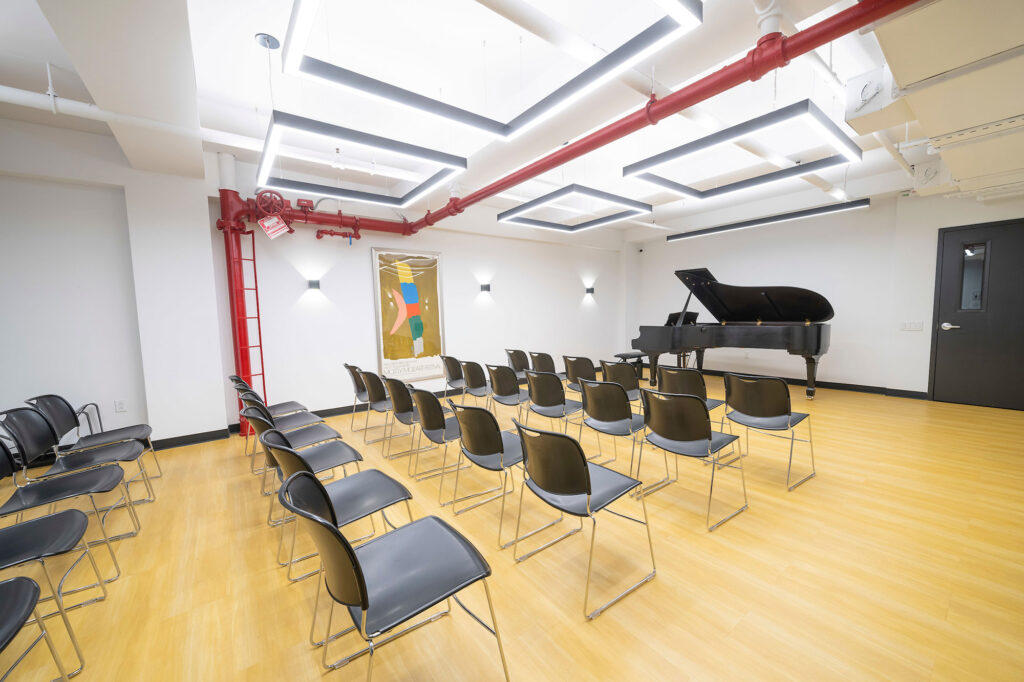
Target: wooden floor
[903,559]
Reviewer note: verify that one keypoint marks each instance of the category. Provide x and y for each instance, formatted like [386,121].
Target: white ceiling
[195,64]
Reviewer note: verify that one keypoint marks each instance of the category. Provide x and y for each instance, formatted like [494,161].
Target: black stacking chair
[358,392]
[688,381]
[439,430]
[285,422]
[547,398]
[402,410]
[377,400]
[487,446]
[577,369]
[762,404]
[623,374]
[542,362]
[352,498]
[607,410]
[559,474]
[519,363]
[19,598]
[391,579]
[64,419]
[680,424]
[505,388]
[303,430]
[55,489]
[34,437]
[476,381]
[275,410]
[453,374]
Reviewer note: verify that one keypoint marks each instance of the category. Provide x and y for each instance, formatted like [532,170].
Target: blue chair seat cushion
[782,422]
[43,537]
[413,568]
[511,454]
[364,493]
[606,486]
[693,448]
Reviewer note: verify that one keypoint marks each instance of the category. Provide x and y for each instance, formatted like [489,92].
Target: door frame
[938,285]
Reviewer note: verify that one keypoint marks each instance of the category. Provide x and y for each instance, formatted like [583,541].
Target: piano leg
[653,360]
[812,371]
[700,359]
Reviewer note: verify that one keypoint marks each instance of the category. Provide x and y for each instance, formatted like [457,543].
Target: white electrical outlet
[119,406]
[912,326]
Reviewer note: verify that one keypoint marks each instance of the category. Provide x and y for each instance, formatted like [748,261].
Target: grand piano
[786,318]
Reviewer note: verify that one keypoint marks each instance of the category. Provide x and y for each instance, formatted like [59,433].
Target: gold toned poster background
[399,346]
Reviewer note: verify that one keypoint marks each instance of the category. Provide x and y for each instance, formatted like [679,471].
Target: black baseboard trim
[859,388]
[192,439]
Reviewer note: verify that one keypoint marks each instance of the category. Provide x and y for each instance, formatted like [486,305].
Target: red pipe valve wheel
[269,202]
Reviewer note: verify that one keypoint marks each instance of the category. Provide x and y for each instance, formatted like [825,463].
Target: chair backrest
[234,378]
[429,407]
[401,401]
[290,462]
[259,407]
[31,431]
[555,461]
[605,401]
[621,373]
[481,434]
[545,389]
[357,380]
[452,368]
[503,380]
[578,368]
[474,375]
[251,395]
[685,380]
[57,411]
[375,391]
[261,423]
[303,495]
[517,360]
[757,396]
[542,362]
[676,417]
[7,464]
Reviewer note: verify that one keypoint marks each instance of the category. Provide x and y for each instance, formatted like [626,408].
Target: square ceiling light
[280,121]
[682,17]
[632,208]
[805,111]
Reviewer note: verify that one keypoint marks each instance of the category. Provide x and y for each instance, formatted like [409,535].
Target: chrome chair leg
[519,519]
[789,468]
[715,464]
[646,579]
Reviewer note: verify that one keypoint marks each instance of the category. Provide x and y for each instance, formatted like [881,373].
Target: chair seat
[280,409]
[18,597]
[634,394]
[364,493]
[43,537]
[311,435]
[622,427]
[573,386]
[555,411]
[329,454]
[712,403]
[72,460]
[457,383]
[782,422]
[479,391]
[95,481]
[510,455]
[512,400]
[411,569]
[693,448]
[381,405]
[139,432]
[408,418]
[606,486]
[296,420]
[441,436]
[520,375]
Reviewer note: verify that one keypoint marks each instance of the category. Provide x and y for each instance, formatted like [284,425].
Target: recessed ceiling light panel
[632,208]
[778,218]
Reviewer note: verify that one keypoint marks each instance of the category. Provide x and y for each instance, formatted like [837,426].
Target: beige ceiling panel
[988,95]
[998,154]
[947,34]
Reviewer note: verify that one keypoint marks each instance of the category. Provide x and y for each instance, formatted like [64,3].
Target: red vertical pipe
[231,224]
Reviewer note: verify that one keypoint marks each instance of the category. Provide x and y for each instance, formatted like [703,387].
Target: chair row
[82,473]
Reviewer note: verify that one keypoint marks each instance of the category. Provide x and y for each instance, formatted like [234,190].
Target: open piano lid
[728,303]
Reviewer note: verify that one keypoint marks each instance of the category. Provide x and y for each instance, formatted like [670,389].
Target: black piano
[786,318]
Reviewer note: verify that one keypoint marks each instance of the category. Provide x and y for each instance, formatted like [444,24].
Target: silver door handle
[946,326]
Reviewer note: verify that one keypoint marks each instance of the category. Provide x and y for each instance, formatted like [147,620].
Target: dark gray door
[978,339]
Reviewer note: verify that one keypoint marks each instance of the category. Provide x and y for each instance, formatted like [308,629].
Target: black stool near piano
[785,318]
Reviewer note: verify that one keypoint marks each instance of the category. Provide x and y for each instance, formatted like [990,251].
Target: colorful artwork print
[409,333]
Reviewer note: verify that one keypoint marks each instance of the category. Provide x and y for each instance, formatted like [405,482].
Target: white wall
[536,302]
[69,322]
[876,267]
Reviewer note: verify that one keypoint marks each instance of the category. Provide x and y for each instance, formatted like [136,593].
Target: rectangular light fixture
[313,284]
[280,121]
[485,287]
[846,151]
[683,17]
[590,290]
[778,218]
[633,208]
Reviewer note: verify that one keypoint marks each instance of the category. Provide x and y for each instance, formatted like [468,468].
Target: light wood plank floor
[903,560]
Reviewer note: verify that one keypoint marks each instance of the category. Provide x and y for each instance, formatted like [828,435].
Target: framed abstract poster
[410,330]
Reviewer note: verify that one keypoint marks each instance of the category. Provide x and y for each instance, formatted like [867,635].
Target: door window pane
[973,278]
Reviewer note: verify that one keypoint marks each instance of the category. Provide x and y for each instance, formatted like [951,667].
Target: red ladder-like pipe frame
[772,51]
